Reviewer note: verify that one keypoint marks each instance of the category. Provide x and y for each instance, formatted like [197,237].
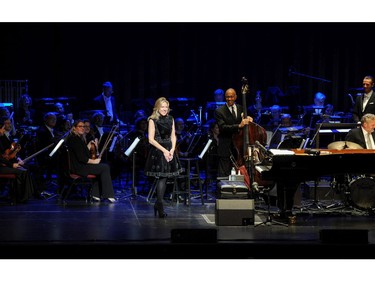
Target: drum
[362,193]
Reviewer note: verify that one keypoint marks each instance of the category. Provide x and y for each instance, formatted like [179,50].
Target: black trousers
[102,186]
[23,188]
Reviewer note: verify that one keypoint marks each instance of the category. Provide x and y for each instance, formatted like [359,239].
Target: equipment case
[233,190]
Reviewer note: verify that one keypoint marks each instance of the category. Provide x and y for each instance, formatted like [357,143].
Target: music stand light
[132,146]
[56,147]
[206,147]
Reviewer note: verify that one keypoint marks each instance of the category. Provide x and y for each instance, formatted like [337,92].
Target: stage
[48,228]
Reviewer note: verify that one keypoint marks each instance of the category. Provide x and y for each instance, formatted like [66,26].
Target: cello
[245,140]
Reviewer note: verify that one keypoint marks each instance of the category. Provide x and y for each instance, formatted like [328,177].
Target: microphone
[312,151]
[257,143]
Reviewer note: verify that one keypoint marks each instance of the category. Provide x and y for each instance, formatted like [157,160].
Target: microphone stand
[315,203]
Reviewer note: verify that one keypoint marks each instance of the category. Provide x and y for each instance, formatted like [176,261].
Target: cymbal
[343,145]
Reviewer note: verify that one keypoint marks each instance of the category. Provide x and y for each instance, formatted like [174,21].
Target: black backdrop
[148,60]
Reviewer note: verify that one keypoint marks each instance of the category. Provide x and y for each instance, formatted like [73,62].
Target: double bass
[245,140]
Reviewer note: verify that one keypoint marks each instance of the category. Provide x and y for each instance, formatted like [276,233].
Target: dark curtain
[148,60]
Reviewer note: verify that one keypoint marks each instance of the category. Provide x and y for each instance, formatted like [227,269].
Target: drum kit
[359,190]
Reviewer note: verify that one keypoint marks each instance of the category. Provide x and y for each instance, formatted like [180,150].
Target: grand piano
[298,165]
[294,166]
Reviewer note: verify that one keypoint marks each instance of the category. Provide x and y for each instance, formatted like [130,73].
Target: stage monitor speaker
[208,235]
[231,212]
[344,236]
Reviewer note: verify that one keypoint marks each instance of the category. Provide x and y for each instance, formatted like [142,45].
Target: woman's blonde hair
[155,111]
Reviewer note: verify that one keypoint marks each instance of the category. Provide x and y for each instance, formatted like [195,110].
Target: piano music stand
[269,220]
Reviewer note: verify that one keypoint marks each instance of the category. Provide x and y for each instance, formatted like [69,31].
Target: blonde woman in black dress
[162,161]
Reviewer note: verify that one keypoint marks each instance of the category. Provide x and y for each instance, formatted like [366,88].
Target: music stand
[200,156]
[128,152]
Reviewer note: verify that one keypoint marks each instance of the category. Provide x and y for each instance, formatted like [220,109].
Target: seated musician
[278,135]
[82,164]
[97,129]
[10,163]
[46,135]
[140,131]
[5,113]
[26,114]
[104,137]
[327,113]
[182,138]
[141,150]
[363,135]
[211,154]
[63,126]
[314,112]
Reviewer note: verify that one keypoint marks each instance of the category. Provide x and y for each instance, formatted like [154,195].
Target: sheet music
[281,152]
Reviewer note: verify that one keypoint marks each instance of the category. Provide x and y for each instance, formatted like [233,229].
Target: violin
[93,150]
[11,152]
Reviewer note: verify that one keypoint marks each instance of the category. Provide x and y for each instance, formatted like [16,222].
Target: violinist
[11,164]
[229,118]
[82,164]
[7,138]
[5,113]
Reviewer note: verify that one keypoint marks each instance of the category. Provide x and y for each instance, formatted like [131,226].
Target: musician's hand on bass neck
[245,121]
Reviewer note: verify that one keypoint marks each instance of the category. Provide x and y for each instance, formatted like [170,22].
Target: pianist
[363,135]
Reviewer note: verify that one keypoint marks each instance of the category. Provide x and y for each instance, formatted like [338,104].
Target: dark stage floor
[128,229]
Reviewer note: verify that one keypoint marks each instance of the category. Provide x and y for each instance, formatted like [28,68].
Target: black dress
[156,164]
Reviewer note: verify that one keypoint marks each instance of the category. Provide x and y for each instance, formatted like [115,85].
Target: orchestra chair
[191,173]
[70,180]
[10,181]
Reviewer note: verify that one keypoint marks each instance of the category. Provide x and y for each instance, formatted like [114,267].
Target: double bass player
[229,118]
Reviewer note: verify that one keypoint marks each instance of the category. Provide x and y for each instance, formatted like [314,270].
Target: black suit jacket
[5,143]
[228,126]
[99,104]
[357,109]
[356,135]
